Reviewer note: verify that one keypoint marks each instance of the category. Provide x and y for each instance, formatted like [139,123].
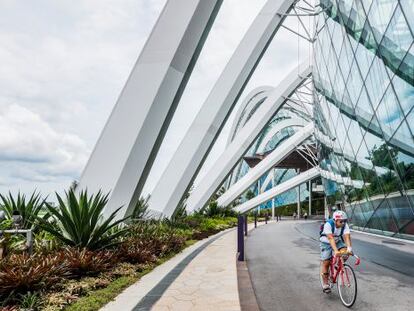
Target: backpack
[332,224]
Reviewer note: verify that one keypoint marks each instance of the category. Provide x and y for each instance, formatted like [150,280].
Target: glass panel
[365,58]
[389,113]
[363,108]
[408,228]
[397,40]
[408,8]
[358,217]
[367,5]
[384,215]
[356,19]
[355,134]
[344,61]
[400,208]
[377,81]
[380,15]
[403,89]
[354,83]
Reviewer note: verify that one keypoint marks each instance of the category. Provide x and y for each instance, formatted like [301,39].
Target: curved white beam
[272,159]
[196,144]
[230,157]
[126,149]
[267,181]
[279,189]
[276,129]
[256,95]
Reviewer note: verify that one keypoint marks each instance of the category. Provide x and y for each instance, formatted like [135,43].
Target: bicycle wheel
[347,286]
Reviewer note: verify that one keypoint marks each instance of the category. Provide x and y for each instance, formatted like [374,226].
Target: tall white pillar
[326,208]
[273,199]
[258,193]
[310,198]
[298,190]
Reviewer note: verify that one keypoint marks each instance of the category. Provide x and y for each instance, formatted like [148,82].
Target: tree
[249,195]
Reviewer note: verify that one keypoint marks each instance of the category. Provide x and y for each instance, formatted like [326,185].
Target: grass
[98,298]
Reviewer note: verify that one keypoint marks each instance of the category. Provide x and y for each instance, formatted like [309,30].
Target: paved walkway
[209,282]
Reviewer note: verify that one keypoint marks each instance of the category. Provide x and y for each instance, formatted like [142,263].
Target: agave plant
[141,208]
[179,214]
[79,221]
[30,210]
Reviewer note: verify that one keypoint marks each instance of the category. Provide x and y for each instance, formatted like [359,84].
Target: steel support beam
[279,189]
[131,138]
[203,132]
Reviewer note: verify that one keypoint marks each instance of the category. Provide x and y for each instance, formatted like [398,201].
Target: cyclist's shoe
[326,288]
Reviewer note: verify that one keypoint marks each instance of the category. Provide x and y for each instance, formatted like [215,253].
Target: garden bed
[80,261]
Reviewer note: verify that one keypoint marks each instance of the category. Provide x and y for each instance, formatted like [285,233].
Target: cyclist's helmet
[340,215]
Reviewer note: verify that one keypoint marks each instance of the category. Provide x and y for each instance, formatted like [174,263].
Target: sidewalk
[209,282]
[202,277]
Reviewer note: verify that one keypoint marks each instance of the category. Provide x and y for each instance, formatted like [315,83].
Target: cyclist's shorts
[326,249]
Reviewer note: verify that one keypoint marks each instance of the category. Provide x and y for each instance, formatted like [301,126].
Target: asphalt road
[283,261]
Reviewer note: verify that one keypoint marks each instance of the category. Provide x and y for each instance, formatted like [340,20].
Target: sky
[62,67]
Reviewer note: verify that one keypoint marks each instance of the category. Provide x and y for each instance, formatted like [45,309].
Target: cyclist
[335,238]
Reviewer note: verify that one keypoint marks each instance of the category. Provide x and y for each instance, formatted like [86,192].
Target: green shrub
[30,301]
[79,221]
[84,262]
[20,273]
[45,243]
[146,241]
[141,208]
[30,210]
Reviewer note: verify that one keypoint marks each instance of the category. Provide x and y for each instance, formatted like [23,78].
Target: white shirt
[337,232]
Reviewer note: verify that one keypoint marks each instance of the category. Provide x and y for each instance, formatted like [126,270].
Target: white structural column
[234,152]
[196,144]
[279,189]
[298,202]
[128,144]
[310,198]
[272,159]
[273,201]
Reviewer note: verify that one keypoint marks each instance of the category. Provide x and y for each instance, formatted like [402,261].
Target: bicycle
[344,276]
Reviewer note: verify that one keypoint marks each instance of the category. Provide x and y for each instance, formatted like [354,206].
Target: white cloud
[62,67]
[26,138]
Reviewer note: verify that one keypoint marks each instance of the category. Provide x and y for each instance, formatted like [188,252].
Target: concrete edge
[247,296]
[384,236]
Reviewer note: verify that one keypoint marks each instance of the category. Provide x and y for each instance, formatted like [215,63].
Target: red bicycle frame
[333,273]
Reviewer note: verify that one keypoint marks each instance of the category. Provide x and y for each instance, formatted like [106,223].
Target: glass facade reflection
[364,98]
